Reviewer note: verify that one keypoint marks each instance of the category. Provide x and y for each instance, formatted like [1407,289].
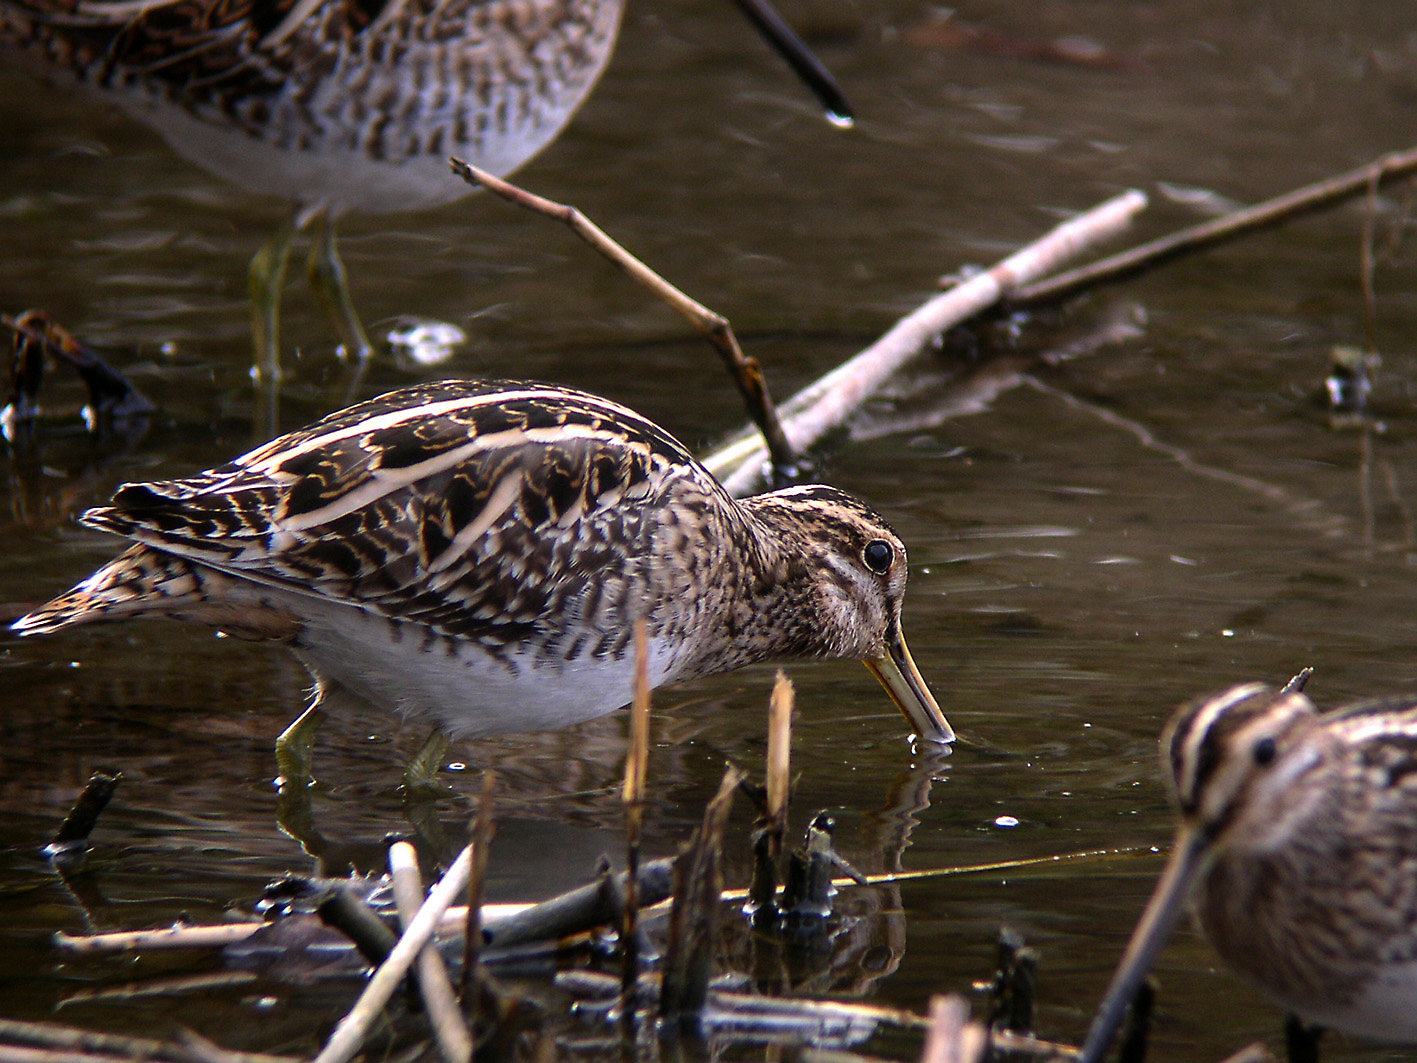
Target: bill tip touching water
[475,554]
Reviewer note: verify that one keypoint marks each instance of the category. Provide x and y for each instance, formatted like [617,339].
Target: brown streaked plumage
[477,553]
[1297,849]
[348,104]
[341,105]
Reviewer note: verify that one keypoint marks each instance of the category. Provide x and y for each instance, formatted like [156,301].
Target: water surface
[1116,534]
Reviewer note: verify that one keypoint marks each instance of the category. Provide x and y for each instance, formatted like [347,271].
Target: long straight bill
[897,672]
[1168,901]
[799,57]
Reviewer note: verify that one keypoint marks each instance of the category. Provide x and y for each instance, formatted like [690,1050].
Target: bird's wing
[446,504]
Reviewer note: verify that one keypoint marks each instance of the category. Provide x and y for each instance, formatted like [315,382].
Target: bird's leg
[295,745]
[421,775]
[265,280]
[1301,1040]
[330,284]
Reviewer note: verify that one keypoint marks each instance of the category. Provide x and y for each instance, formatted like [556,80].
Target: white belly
[461,686]
[1386,1009]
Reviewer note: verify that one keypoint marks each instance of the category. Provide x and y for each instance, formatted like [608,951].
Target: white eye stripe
[1199,729]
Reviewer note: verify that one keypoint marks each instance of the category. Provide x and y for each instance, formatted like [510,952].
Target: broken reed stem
[1266,215]
[449,1028]
[826,405]
[482,830]
[693,919]
[83,817]
[779,761]
[636,766]
[714,327]
[350,1033]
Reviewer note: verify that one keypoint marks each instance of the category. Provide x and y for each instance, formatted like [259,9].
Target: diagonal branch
[747,373]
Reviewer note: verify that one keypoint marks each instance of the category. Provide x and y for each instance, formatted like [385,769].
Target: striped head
[1232,760]
[845,581]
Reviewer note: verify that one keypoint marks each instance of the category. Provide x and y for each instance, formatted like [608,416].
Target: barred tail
[140,580]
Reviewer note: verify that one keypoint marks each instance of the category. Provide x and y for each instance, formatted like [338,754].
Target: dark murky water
[1120,533]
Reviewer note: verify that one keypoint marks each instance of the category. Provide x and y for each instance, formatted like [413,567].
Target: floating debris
[421,342]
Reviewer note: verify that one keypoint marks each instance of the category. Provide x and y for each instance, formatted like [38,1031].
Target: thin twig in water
[482,830]
[747,373]
[1266,215]
[636,765]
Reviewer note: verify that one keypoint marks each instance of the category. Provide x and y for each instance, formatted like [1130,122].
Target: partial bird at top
[342,105]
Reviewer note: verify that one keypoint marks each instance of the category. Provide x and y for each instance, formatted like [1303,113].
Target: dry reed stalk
[779,780]
[636,767]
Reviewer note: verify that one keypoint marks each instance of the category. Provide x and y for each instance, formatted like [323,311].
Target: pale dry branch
[825,406]
[349,1034]
[1272,212]
[453,1036]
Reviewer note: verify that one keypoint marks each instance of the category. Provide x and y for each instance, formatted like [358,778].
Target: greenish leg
[295,746]
[265,281]
[421,775]
[330,284]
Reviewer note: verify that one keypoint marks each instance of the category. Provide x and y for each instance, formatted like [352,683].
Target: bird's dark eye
[1264,751]
[878,556]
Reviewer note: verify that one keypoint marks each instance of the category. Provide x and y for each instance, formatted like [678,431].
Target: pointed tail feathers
[140,580]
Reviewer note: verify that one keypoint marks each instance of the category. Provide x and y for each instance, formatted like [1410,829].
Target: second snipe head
[1297,849]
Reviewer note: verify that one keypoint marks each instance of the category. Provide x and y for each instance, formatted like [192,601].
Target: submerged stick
[454,1039]
[343,909]
[349,1035]
[1267,215]
[91,1044]
[482,831]
[714,327]
[826,405]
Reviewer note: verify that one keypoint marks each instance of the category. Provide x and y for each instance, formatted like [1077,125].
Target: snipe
[1297,849]
[477,554]
[341,105]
